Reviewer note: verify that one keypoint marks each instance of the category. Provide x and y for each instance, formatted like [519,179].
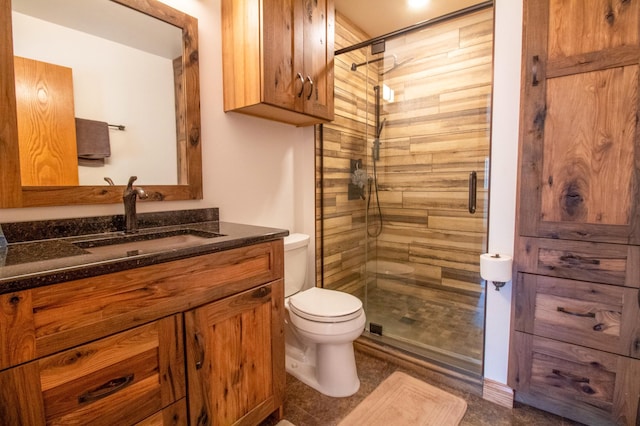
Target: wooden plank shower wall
[437,131]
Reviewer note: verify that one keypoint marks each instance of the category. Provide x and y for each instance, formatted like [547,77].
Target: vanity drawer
[599,316]
[587,385]
[60,316]
[597,262]
[120,379]
[173,415]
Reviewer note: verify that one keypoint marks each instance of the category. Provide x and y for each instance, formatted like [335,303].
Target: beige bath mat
[405,400]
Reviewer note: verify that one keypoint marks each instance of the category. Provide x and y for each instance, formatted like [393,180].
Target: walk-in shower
[413,121]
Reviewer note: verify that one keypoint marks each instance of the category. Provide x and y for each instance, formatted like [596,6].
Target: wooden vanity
[197,340]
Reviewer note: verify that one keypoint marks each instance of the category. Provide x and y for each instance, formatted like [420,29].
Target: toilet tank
[295,263]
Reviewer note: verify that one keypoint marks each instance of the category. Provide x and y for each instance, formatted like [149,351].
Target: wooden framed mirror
[188,157]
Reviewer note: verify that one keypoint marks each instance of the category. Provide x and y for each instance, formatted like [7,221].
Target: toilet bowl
[320,327]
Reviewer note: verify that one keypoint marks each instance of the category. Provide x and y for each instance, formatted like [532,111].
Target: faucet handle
[131,180]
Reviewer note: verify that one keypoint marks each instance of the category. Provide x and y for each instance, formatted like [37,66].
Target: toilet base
[329,369]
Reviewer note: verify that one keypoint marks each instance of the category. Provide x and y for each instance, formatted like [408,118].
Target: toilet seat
[328,306]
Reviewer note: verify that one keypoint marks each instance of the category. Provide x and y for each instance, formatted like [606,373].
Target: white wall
[260,172]
[117,84]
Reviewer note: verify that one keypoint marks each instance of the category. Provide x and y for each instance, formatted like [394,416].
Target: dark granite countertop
[53,251]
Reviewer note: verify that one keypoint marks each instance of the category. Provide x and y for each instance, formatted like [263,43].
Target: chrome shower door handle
[473,187]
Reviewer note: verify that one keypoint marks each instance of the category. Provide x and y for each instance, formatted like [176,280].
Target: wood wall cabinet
[575,347]
[278,59]
[112,349]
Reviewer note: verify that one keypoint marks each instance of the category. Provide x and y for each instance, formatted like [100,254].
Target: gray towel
[92,138]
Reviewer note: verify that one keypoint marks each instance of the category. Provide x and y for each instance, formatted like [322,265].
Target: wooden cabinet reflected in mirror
[179,129]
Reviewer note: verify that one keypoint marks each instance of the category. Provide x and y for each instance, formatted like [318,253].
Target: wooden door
[235,357]
[580,151]
[46,124]
[318,27]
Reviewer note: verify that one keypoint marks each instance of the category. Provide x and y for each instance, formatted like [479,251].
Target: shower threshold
[456,363]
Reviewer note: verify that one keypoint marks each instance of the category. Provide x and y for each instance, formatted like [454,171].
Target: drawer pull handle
[570,376]
[577,314]
[261,293]
[109,388]
[576,260]
[200,360]
[580,382]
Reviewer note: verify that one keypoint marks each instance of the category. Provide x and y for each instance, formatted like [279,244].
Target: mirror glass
[125,70]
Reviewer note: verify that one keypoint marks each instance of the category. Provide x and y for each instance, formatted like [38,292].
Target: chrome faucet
[129,197]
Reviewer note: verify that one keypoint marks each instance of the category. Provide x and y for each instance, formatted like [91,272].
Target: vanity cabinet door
[235,357]
[120,379]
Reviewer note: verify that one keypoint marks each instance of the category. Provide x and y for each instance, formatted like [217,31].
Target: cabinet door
[318,26]
[580,178]
[298,49]
[283,78]
[235,357]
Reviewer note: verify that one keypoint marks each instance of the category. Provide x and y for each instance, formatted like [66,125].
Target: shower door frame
[320,253]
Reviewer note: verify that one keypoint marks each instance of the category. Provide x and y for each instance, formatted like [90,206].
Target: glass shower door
[412,140]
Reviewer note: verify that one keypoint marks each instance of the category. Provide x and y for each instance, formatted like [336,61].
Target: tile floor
[306,407]
[432,320]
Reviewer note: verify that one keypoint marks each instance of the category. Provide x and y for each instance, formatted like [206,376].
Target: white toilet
[320,327]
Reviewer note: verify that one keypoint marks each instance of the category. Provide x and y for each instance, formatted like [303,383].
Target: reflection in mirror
[183,95]
[123,66]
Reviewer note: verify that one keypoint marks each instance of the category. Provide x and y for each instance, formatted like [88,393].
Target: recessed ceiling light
[417,4]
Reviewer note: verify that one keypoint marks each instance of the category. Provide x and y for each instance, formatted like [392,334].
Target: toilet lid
[322,305]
